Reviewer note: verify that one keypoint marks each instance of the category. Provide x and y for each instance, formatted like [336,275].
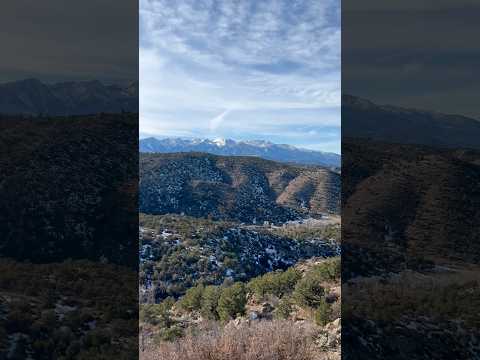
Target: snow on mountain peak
[229,147]
[220,142]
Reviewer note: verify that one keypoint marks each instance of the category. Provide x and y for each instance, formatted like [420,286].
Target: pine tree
[232,302]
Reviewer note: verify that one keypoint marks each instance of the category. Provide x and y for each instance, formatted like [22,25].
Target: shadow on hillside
[69,223]
[410,251]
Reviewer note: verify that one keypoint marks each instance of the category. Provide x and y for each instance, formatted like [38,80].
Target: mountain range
[364,119]
[229,147]
[246,189]
[34,97]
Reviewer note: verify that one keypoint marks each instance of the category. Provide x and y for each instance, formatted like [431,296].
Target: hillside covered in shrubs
[304,298]
[177,252]
[69,187]
[245,189]
[72,310]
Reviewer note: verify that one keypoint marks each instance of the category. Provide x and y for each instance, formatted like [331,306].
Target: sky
[82,40]
[416,54]
[241,69]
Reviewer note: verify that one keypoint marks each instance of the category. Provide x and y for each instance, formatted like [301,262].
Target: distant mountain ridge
[34,97]
[364,119]
[229,147]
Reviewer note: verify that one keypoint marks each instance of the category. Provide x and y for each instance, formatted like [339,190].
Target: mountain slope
[66,182]
[177,252]
[364,119]
[410,193]
[407,203]
[246,189]
[228,147]
[33,97]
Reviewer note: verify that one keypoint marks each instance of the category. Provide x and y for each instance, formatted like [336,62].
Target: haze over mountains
[229,147]
[33,97]
[364,119]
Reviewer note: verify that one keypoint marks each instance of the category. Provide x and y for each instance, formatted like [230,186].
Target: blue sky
[241,69]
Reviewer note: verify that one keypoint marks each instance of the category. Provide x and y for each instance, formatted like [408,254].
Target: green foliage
[331,231]
[322,313]
[454,297]
[284,308]
[210,298]
[169,334]
[309,291]
[157,314]
[72,203]
[85,293]
[186,226]
[328,270]
[275,283]
[192,300]
[232,302]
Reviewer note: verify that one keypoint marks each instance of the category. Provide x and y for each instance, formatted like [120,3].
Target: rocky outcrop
[329,341]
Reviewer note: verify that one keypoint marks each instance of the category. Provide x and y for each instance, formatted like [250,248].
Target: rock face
[228,147]
[330,340]
[33,97]
[246,189]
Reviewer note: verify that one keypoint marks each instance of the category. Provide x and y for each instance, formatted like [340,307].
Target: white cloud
[259,58]
[217,121]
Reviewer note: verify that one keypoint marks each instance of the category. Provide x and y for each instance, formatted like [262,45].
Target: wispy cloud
[218,120]
[275,62]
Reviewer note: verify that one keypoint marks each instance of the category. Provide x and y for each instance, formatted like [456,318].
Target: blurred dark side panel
[69,180]
[411,180]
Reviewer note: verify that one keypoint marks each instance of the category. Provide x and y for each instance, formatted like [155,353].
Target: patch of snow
[220,142]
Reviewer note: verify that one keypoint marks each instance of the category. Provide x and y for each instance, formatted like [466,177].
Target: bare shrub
[266,340]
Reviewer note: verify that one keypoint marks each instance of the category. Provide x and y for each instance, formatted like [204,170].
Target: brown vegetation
[268,340]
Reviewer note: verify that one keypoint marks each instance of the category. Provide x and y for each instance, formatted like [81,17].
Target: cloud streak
[217,121]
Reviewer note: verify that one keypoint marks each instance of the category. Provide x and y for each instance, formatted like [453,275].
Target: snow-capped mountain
[33,97]
[229,147]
